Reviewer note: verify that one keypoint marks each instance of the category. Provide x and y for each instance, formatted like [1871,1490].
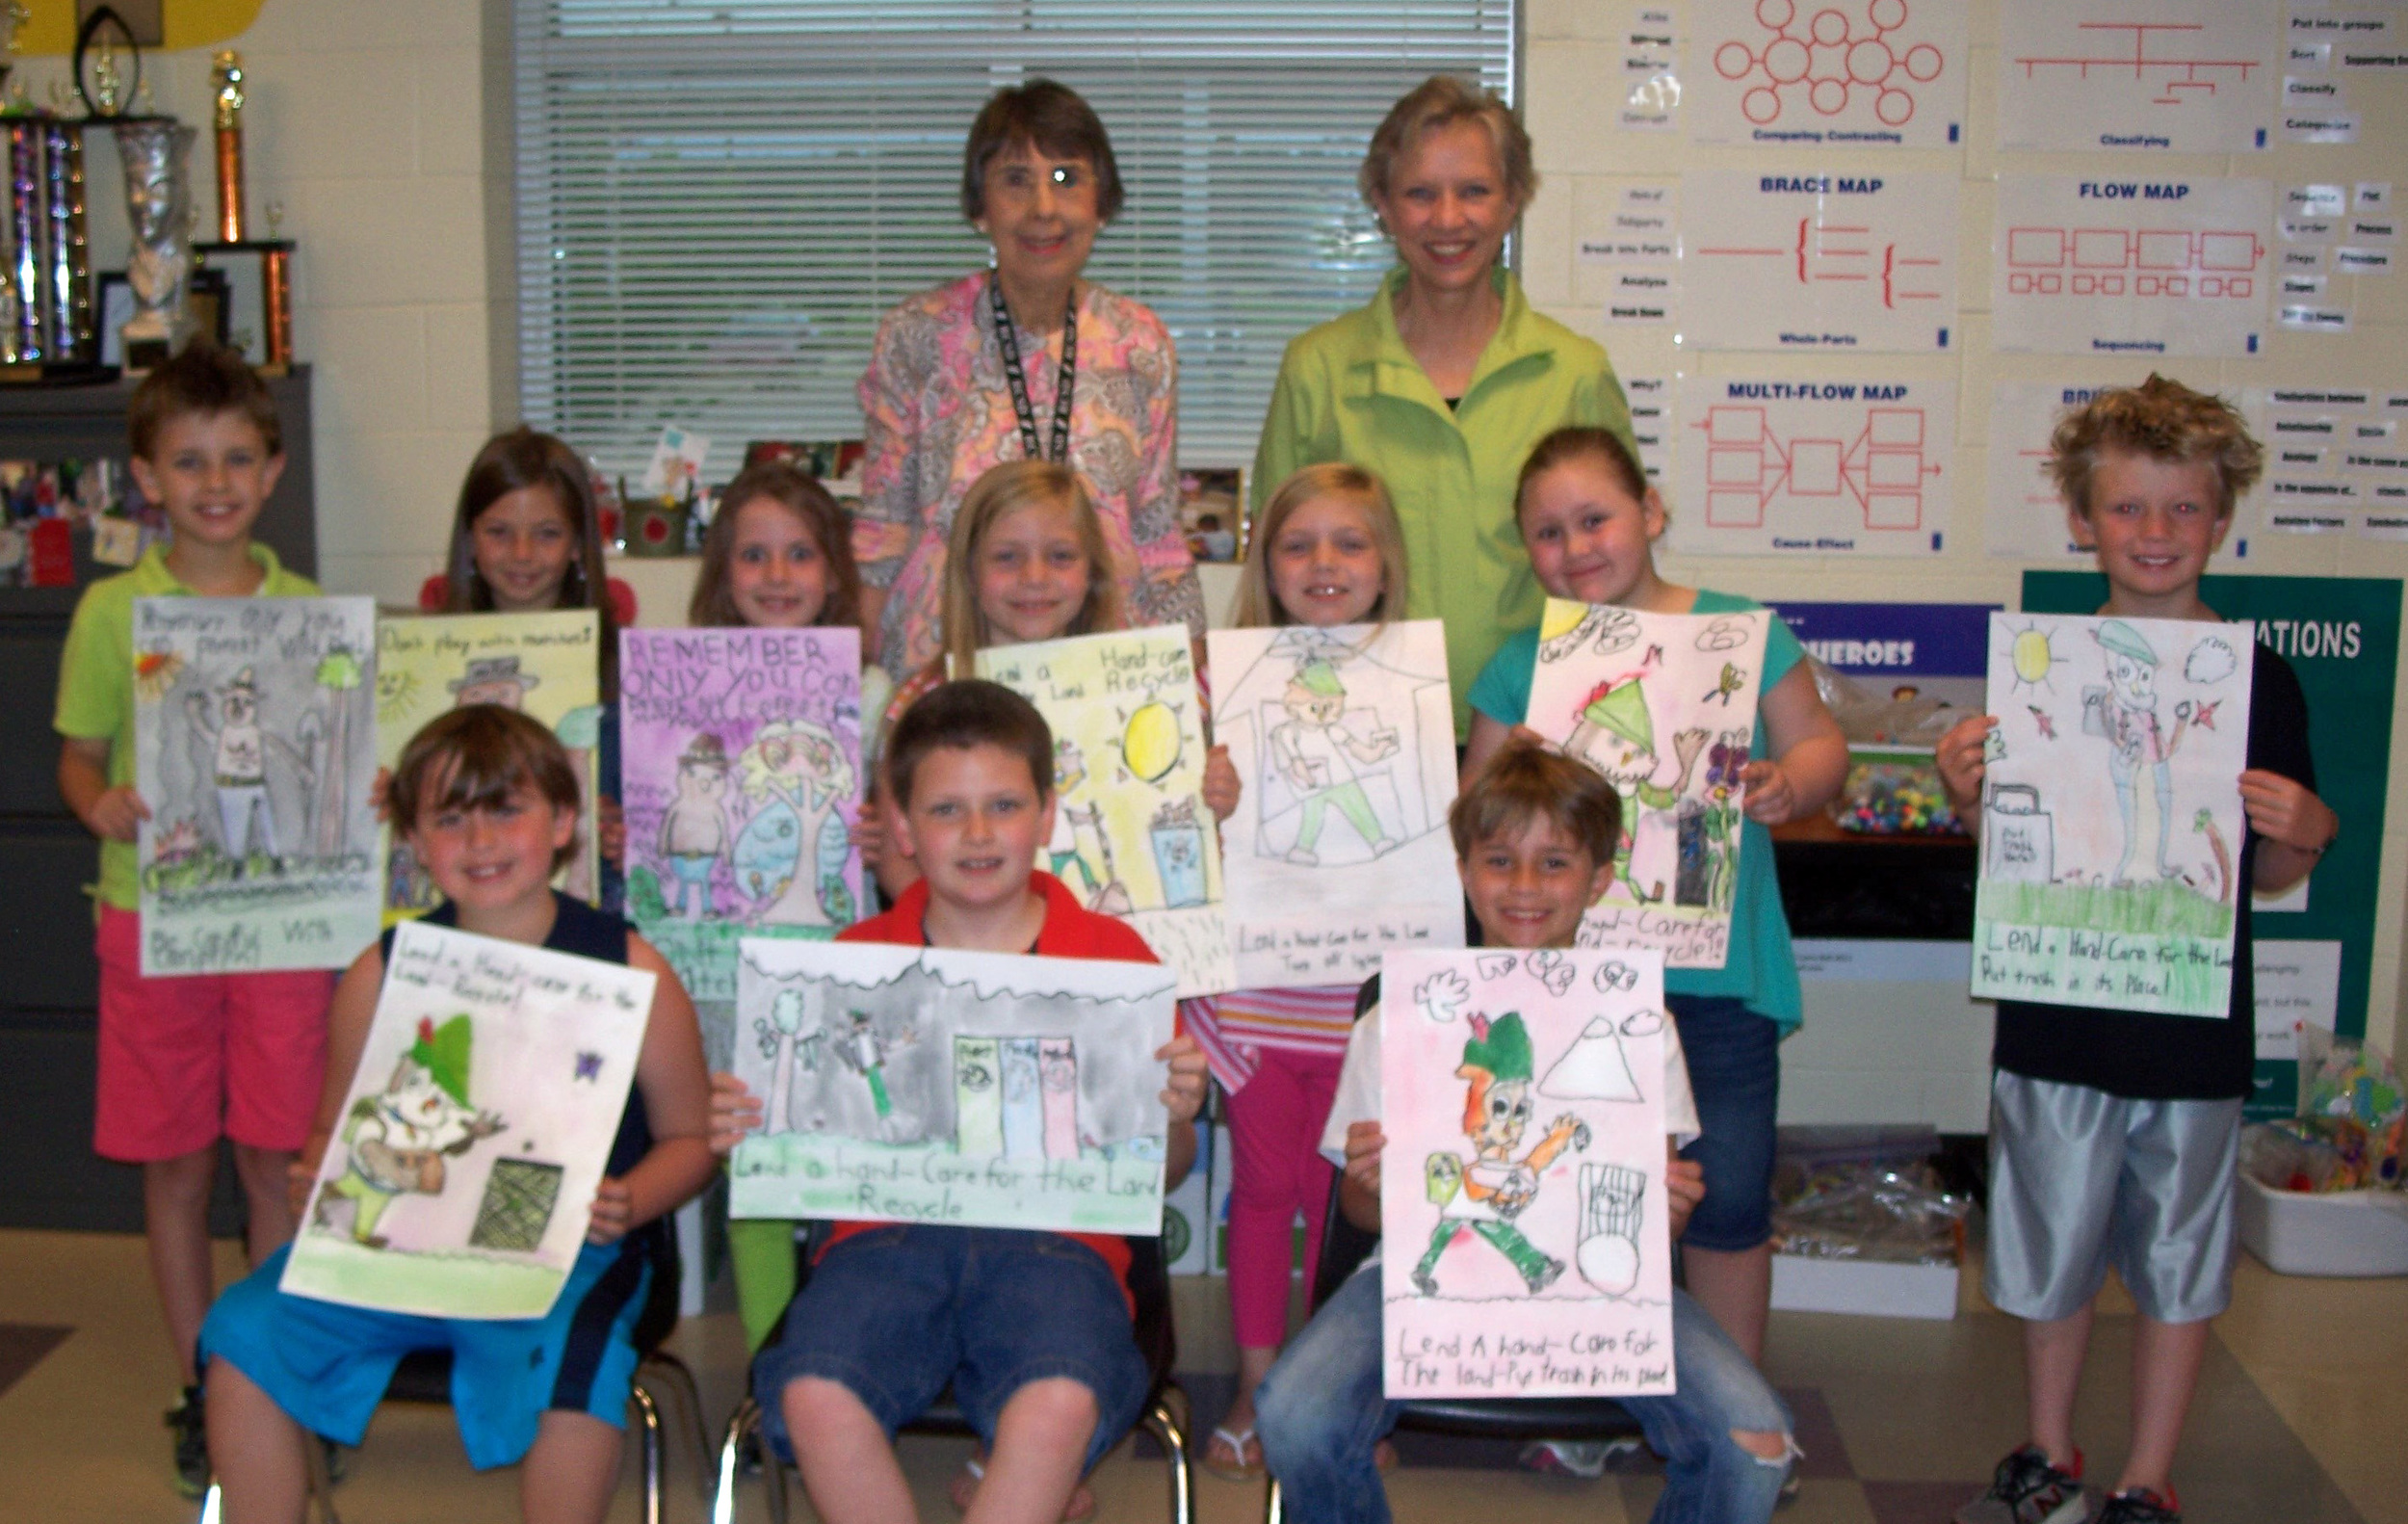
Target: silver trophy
[158,204]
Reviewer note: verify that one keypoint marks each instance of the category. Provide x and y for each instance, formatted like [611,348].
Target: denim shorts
[1735,1072]
[899,1314]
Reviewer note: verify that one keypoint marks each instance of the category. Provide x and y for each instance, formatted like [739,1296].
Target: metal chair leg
[650,1411]
[321,1480]
[743,1427]
[1272,1510]
[677,1378]
[1166,1427]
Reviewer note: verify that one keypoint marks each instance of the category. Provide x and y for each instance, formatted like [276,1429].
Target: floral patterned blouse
[937,412]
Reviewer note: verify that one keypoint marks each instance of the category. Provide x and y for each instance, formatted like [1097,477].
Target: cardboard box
[1871,1288]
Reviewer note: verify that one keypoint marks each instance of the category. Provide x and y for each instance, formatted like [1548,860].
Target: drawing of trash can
[1179,853]
[2018,837]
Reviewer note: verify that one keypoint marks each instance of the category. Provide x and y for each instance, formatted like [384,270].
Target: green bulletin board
[2341,635]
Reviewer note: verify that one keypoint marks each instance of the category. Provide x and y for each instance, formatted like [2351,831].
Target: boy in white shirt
[1534,839]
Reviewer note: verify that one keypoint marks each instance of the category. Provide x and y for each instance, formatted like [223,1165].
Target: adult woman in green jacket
[1444,382]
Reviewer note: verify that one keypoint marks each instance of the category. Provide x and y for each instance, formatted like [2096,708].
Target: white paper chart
[2335,458]
[1771,464]
[1820,259]
[2130,263]
[1868,73]
[2170,76]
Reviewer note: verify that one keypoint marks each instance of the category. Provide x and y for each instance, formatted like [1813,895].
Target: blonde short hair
[1258,605]
[1441,101]
[1004,490]
[2165,420]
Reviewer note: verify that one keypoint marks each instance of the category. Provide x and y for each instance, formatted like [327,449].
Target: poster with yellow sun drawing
[546,665]
[2110,812]
[1664,706]
[1132,834]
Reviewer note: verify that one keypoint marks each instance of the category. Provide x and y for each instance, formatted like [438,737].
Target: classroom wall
[379,128]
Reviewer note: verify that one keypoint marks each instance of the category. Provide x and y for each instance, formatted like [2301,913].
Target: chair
[1164,1415]
[425,1376]
[1344,1248]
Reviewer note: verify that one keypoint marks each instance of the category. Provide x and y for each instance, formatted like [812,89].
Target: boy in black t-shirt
[2113,1134]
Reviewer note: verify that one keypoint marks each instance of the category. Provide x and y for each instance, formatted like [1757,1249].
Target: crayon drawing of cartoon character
[1486,1194]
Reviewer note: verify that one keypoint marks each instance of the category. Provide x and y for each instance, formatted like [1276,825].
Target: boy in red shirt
[1031,1329]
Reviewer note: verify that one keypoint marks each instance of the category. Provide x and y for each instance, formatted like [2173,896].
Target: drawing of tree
[338,675]
[787,1013]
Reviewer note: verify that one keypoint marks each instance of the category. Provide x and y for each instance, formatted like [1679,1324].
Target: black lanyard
[1007,334]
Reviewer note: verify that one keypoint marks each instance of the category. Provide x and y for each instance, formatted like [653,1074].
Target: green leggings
[1352,804]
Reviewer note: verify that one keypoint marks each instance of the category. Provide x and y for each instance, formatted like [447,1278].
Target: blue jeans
[1735,1072]
[1319,1413]
[900,1313]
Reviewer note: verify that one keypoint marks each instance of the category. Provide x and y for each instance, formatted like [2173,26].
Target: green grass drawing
[2164,909]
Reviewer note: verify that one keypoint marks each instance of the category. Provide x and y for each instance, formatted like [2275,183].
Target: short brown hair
[1258,605]
[1526,782]
[524,458]
[800,494]
[1049,117]
[1572,442]
[1441,101]
[2165,420]
[476,758]
[201,377]
[972,712]
[999,490]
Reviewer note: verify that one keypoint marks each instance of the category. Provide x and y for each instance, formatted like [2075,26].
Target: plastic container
[2330,1233]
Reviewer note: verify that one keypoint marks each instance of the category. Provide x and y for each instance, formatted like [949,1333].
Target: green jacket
[1349,390]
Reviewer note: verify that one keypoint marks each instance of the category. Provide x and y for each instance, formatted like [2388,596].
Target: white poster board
[2125,262]
[1811,257]
[2194,77]
[1783,464]
[1884,73]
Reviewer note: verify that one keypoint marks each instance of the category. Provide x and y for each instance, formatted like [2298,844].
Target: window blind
[717,199]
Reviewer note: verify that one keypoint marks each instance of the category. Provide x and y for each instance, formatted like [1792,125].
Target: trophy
[158,205]
[225,78]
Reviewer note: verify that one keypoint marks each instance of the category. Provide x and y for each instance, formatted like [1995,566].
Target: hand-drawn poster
[1133,836]
[741,775]
[256,748]
[461,1180]
[1664,705]
[927,1085]
[1344,740]
[2111,821]
[546,665]
[1521,1186]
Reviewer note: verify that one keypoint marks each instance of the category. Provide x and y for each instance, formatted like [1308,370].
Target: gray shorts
[2081,1179]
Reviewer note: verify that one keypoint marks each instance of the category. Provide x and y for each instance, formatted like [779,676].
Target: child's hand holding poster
[1338,852]
[740,774]
[1133,836]
[1522,1200]
[544,664]
[1664,706]
[2110,812]
[254,745]
[930,1085]
[462,1173]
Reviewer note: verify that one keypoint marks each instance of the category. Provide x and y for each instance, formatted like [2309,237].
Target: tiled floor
[2303,1415]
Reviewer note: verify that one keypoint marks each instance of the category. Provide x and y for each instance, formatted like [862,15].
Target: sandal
[1239,1442]
[964,1488]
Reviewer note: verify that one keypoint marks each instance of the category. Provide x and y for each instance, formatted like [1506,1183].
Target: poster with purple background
[741,782]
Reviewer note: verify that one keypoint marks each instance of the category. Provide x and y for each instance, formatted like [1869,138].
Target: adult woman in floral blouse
[1025,359]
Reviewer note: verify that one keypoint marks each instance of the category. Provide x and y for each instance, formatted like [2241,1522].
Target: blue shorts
[327,1364]
[898,1314]
[1735,1072]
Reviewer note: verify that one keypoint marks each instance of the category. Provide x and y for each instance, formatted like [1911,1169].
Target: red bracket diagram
[2184,78]
[1832,60]
[2139,262]
[1883,469]
[1833,252]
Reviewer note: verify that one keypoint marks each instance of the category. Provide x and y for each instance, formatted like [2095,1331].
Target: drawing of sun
[2032,658]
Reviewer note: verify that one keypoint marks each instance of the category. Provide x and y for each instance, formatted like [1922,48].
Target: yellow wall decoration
[185,23]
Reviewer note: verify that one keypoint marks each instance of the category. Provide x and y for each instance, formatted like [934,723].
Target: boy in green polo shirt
[183,1059]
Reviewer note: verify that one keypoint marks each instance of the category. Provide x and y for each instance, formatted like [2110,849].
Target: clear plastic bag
[1864,1193]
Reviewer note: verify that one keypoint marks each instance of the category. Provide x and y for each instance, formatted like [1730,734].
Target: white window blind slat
[717,199]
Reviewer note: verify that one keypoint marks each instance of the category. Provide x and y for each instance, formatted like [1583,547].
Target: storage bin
[2334,1233]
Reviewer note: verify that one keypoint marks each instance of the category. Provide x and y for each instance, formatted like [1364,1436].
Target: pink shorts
[187,1059]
